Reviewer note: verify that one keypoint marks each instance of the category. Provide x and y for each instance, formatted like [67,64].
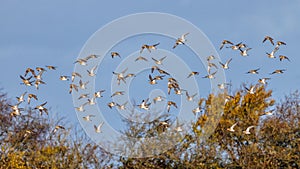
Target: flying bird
[149,47]
[159,61]
[226,65]
[250,90]
[58,127]
[115,54]
[272,54]
[158,99]
[224,42]
[82,85]
[93,56]
[247,131]
[81,107]
[122,106]
[41,108]
[253,71]
[21,98]
[278,71]
[111,104]
[118,93]
[282,57]
[210,76]
[210,57]
[92,71]
[192,74]
[98,94]
[26,81]
[231,129]
[190,97]
[29,70]
[269,39]
[83,95]
[141,58]
[74,74]
[98,128]
[181,40]
[121,76]
[171,103]
[64,78]
[82,62]
[73,86]
[88,117]
[37,83]
[144,105]
[244,52]
[263,80]
[279,43]
[40,69]
[51,67]
[30,96]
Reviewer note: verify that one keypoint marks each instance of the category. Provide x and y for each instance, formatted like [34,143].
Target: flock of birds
[35,79]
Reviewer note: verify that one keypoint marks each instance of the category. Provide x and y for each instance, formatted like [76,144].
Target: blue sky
[53,32]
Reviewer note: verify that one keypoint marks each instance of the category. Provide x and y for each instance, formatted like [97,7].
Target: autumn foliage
[28,141]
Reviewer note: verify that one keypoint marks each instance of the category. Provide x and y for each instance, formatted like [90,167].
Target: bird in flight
[81,107]
[82,62]
[41,108]
[282,57]
[181,40]
[118,93]
[30,96]
[98,94]
[226,65]
[190,97]
[58,127]
[115,54]
[121,76]
[253,71]
[263,80]
[26,81]
[269,39]
[98,128]
[244,52]
[149,47]
[51,67]
[224,42]
[251,89]
[74,74]
[141,58]
[73,86]
[192,74]
[64,78]
[88,117]
[171,103]
[111,104]
[272,54]
[21,98]
[279,43]
[159,61]
[91,72]
[82,85]
[278,71]
[231,129]
[247,131]
[210,76]
[210,58]
[144,105]
[158,99]
[122,106]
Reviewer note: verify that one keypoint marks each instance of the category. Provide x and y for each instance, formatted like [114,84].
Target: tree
[273,142]
[29,140]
